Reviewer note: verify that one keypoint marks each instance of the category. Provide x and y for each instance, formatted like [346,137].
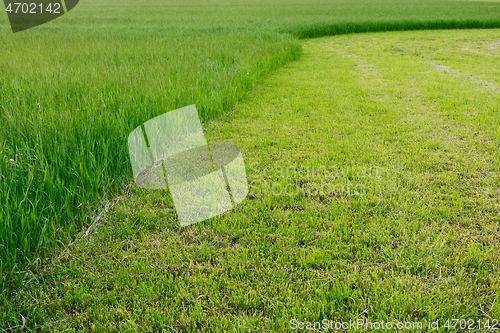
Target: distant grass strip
[331,29]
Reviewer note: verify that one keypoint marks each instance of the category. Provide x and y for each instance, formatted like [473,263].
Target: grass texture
[373,167]
[73,89]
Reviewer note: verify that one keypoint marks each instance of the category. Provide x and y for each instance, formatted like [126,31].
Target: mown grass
[373,172]
[73,89]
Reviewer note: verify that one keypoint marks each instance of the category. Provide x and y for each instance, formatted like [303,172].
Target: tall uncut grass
[67,108]
[73,89]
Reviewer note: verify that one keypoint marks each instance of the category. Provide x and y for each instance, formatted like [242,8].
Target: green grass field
[372,162]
